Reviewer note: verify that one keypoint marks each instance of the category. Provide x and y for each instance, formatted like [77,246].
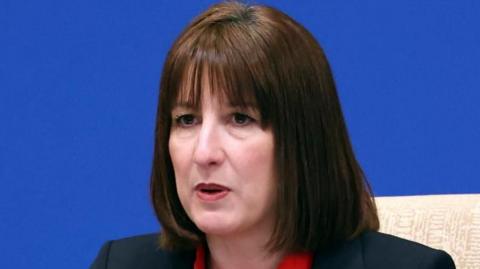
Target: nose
[209,152]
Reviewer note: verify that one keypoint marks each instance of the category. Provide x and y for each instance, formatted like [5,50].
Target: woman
[253,167]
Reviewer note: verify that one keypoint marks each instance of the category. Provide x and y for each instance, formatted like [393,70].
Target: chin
[214,225]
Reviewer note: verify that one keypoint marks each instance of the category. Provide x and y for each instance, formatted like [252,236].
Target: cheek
[179,156]
[258,163]
[256,167]
[180,161]
[257,157]
[259,184]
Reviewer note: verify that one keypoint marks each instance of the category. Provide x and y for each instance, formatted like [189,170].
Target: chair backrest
[448,222]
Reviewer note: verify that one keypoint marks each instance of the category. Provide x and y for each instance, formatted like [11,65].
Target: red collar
[301,260]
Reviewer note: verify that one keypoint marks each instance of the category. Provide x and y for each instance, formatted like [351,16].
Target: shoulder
[139,252]
[376,250]
[388,251]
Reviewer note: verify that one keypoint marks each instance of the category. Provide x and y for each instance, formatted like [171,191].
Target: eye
[186,120]
[241,119]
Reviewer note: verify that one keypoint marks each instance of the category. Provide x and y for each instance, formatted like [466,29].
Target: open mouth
[210,188]
[211,192]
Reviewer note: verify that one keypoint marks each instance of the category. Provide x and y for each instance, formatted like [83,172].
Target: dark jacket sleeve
[438,260]
[101,260]
[387,251]
[141,252]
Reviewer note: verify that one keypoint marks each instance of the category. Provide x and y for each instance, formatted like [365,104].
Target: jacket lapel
[179,260]
[347,256]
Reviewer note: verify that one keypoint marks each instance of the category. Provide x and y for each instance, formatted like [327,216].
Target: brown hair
[257,53]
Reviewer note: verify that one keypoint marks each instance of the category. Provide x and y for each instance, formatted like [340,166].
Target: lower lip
[212,197]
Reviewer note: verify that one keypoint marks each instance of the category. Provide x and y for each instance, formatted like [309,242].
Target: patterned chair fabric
[448,222]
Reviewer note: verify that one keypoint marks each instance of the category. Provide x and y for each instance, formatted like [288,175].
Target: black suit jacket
[371,250]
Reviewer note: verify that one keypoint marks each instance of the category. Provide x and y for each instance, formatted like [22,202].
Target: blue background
[78,94]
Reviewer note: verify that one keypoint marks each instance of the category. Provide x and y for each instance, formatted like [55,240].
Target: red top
[301,260]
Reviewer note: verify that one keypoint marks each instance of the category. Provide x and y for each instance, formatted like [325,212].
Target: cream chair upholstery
[448,222]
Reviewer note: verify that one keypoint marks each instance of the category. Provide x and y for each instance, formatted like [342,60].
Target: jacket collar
[346,256]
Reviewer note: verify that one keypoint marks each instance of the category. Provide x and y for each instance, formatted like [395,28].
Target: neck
[241,252]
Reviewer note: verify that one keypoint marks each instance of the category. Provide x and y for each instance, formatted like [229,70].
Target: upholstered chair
[448,222]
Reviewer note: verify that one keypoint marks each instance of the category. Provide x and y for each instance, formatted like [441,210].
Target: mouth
[210,192]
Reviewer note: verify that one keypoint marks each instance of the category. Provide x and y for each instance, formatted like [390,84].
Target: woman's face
[224,167]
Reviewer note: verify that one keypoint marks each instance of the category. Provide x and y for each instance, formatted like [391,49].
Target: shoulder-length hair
[257,53]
